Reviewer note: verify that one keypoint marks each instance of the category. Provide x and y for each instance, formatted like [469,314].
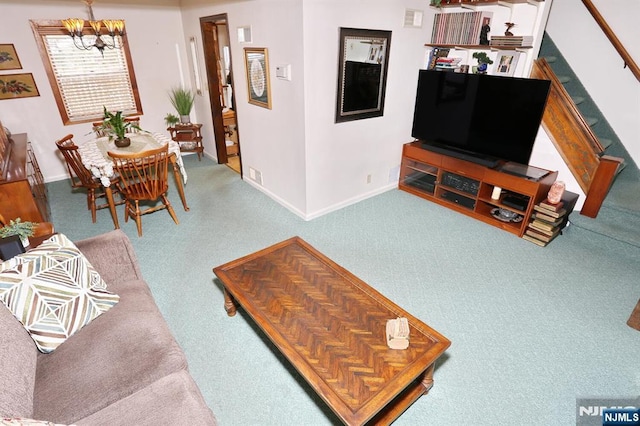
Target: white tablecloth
[95,158]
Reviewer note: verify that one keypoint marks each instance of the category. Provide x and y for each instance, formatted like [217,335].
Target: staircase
[619,215]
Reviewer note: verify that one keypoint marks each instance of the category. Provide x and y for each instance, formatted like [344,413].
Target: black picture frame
[363,62]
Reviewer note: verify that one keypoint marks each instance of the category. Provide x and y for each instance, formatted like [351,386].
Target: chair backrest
[78,173]
[100,131]
[143,175]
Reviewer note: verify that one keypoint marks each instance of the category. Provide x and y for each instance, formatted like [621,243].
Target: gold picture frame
[15,86]
[256,60]
[9,58]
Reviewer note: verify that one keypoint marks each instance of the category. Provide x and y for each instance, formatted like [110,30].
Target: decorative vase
[184,119]
[121,143]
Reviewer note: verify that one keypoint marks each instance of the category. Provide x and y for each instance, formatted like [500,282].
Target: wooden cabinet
[188,137]
[23,193]
[470,188]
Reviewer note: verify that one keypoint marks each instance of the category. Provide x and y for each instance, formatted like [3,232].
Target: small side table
[188,137]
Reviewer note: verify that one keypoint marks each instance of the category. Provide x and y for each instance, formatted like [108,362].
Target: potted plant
[182,100]
[171,119]
[483,62]
[116,126]
[24,230]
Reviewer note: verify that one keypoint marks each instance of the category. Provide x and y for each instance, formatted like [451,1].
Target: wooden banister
[600,185]
[626,57]
[570,134]
[575,141]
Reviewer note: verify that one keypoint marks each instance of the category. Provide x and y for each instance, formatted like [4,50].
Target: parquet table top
[331,326]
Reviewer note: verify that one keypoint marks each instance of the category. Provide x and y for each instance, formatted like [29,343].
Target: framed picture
[13,86]
[506,62]
[363,61]
[257,64]
[9,58]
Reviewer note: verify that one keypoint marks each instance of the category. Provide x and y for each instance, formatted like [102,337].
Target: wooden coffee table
[331,326]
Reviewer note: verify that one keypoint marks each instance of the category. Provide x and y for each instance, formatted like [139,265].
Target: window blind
[89,81]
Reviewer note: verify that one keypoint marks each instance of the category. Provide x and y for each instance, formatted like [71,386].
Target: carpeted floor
[532,328]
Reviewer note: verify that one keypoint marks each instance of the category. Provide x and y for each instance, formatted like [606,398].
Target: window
[83,81]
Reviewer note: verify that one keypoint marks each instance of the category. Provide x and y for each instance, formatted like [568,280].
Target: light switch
[283,72]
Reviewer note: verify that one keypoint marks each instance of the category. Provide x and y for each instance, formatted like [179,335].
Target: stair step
[605,142]
[564,79]
[577,99]
[618,224]
[591,121]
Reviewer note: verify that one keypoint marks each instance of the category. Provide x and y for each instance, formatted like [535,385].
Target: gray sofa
[124,368]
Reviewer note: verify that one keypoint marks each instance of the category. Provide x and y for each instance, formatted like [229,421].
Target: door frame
[212,56]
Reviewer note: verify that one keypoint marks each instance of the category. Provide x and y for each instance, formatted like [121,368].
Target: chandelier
[114,27]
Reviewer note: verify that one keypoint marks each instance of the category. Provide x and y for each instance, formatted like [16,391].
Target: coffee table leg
[427,378]
[229,303]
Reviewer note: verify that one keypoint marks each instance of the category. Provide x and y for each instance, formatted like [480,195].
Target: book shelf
[470,188]
[464,26]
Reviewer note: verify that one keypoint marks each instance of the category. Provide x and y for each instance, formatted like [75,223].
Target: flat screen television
[481,118]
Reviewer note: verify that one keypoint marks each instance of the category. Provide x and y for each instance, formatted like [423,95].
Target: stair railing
[578,146]
[626,57]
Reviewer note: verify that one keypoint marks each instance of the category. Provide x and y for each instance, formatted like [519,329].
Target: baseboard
[322,212]
[351,201]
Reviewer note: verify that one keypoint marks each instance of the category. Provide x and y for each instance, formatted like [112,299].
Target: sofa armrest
[112,255]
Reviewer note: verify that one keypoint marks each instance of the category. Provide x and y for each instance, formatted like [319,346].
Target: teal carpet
[532,328]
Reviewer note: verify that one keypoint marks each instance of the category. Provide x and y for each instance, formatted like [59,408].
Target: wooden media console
[470,188]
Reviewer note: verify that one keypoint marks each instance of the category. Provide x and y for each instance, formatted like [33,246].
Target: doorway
[217,58]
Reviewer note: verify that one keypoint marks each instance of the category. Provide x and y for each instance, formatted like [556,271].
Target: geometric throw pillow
[53,291]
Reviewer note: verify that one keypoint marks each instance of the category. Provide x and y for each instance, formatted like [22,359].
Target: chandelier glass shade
[114,27]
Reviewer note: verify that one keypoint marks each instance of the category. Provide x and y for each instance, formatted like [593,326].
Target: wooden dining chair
[144,177]
[100,131]
[81,177]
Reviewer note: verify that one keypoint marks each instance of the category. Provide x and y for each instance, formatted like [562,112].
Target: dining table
[95,158]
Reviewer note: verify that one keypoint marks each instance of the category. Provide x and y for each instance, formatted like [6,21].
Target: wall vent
[255,175]
[413,18]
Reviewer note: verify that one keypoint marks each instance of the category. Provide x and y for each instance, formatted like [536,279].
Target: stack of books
[511,41]
[549,219]
[436,53]
[448,64]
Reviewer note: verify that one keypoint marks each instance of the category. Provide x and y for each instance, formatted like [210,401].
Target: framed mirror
[362,73]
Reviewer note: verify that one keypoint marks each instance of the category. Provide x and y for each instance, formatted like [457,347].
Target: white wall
[272,141]
[340,156]
[153,36]
[309,163]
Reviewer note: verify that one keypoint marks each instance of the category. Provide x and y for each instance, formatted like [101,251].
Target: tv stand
[462,154]
[467,187]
